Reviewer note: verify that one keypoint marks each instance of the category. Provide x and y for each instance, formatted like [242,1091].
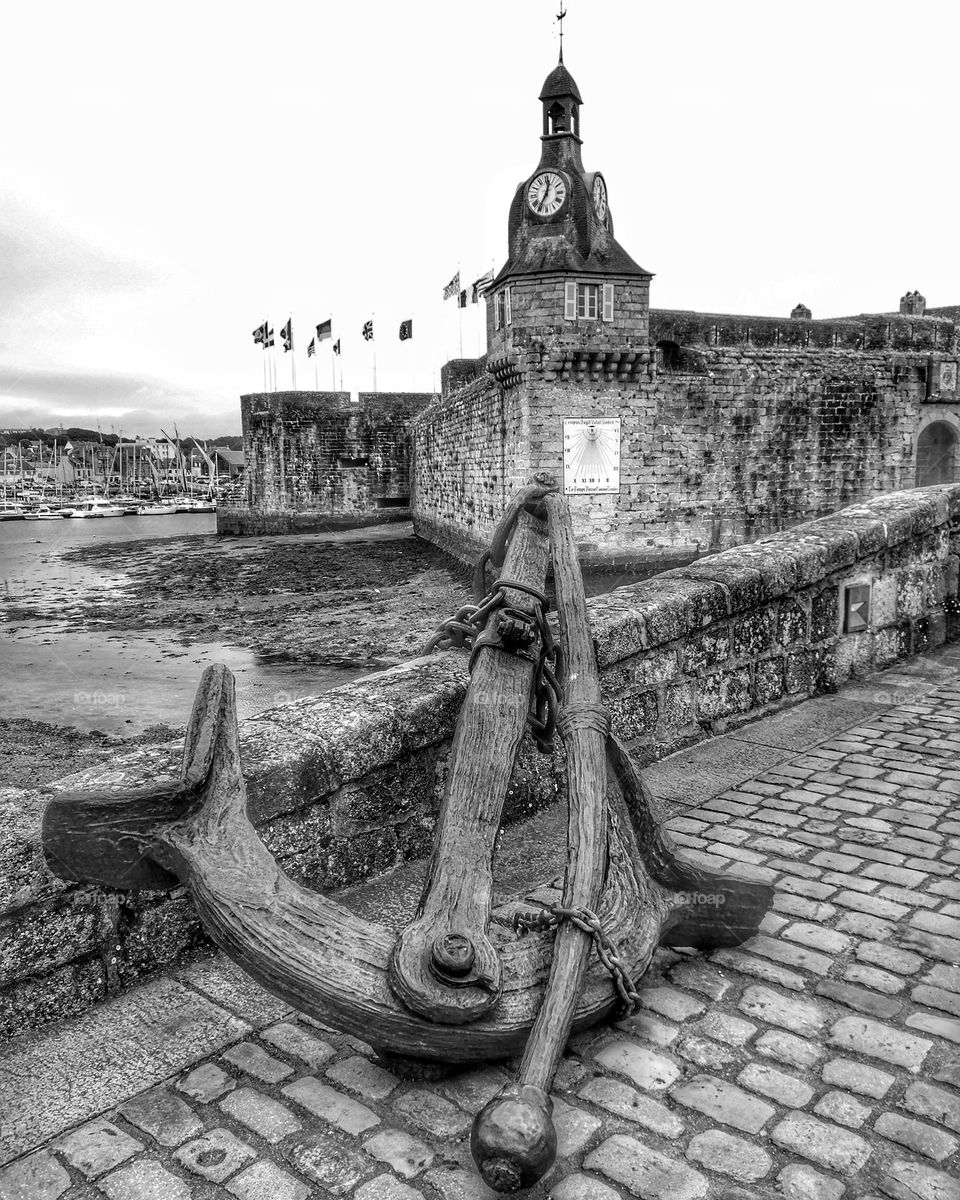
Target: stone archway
[936,454]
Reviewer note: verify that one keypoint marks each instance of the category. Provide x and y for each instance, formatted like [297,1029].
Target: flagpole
[333,365]
[459,311]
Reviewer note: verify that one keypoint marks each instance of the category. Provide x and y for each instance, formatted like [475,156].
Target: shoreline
[342,603]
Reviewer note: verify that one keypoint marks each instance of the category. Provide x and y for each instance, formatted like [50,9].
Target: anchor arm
[109,837]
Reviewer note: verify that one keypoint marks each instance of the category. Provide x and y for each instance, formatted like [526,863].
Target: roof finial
[560,15]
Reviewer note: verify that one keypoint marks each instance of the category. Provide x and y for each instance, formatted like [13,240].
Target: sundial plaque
[591,455]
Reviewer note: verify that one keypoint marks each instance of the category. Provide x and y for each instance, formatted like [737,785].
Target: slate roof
[560,83]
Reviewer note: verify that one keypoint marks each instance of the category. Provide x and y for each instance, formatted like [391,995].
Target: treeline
[76,434]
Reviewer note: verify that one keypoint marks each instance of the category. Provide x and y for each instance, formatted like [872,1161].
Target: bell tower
[567,281]
[561,102]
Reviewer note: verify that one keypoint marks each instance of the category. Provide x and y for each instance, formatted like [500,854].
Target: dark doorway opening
[937,455]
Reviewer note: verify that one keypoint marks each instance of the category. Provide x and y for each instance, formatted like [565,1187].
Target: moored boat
[195,505]
[95,507]
[9,511]
[44,513]
[159,509]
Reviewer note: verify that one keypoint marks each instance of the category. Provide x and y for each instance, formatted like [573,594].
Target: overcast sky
[175,173]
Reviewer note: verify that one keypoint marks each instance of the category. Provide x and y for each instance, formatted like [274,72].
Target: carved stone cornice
[582,363]
[506,369]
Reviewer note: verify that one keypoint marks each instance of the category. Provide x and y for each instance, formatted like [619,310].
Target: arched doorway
[936,454]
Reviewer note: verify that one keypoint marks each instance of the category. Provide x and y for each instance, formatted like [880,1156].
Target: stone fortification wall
[742,426]
[347,784]
[316,460]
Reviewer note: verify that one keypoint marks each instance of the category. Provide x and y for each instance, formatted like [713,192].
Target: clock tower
[568,287]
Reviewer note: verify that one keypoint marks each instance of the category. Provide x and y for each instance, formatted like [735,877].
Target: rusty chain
[515,631]
[467,630]
[550,917]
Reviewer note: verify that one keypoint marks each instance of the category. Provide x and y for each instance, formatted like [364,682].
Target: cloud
[35,397]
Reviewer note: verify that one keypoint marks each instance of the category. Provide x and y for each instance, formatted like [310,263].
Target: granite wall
[317,460]
[732,427]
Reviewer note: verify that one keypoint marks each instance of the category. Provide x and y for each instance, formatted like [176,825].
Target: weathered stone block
[163,935]
[920,635]
[743,585]
[37,940]
[678,706]
[634,716]
[825,614]
[793,623]
[769,681]
[722,693]
[891,644]
[802,670]
[35,1001]
[752,635]
[911,594]
[705,650]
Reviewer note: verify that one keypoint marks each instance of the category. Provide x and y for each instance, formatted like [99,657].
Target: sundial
[591,455]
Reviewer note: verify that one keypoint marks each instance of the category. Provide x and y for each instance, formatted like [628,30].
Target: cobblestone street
[819,1061]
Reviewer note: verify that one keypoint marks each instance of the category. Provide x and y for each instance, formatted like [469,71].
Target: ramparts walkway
[820,1061]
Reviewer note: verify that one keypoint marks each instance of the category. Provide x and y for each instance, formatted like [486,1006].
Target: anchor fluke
[110,837]
[514,1141]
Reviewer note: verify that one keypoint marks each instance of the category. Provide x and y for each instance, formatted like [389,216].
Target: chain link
[462,630]
[551,915]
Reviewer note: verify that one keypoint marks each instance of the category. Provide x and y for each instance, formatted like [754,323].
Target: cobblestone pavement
[821,1060]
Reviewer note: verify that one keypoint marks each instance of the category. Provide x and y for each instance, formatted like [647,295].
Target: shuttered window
[570,301]
[583,301]
[502,311]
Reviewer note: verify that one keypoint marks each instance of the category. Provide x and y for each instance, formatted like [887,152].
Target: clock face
[546,193]
[599,197]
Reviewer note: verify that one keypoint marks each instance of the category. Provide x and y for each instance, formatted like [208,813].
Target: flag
[311,349]
[324,330]
[452,287]
[406,329]
[481,285]
[336,346]
[462,298]
[287,334]
[368,331]
[267,338]
[260,334]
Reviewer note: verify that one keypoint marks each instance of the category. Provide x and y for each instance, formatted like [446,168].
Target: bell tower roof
[560,83]
[559,220]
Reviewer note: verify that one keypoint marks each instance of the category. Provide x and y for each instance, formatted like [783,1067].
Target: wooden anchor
[443,991]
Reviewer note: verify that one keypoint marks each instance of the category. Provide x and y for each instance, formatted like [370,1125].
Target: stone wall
[744,426]
[316,460]
[348,784]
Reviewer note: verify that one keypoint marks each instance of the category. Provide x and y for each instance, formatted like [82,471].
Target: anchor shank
[459,884]
[514,1140]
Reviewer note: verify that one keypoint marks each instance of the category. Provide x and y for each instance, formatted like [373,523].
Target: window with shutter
[507,309]
[588,301]
[570,302]
[608,301]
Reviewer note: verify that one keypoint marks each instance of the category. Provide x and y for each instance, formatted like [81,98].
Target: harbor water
[119,682]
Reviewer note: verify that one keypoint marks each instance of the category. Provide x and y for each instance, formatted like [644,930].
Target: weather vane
[560,15]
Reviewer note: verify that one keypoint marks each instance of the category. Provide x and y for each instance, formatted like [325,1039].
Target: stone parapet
[347,784]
